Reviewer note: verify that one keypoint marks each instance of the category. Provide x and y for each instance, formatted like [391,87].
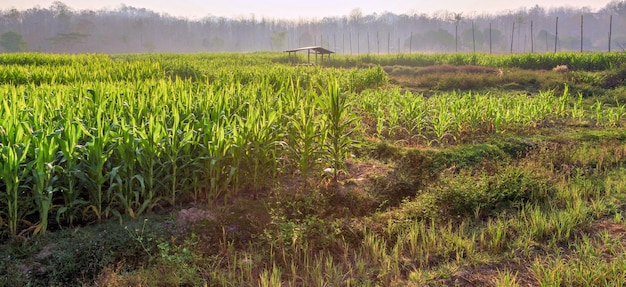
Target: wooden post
[388,43]
[532,38]
[350,43]
[556,33]
[490,51]
[581,33]
[512,34]
[378,42]
[456,37]
[358,42]
[411,44]
[473,37]
[610,30]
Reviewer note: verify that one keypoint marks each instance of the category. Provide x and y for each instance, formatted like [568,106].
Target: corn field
[88,137]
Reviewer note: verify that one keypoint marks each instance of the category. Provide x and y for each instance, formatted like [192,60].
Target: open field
[241,170]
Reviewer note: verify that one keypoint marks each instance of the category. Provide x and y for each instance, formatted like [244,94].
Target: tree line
[62,29]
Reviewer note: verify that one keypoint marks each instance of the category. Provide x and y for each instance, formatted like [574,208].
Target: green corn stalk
[442,120]
[259,155]
[178,137]
[151,150]
[598,115]
[215,157]
[304,139]
[578,111]
[44,169]
[68,141]
[97,152]
[338,127]
[127,148]
[13,169]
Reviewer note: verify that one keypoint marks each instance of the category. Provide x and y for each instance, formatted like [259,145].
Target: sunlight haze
[305,9]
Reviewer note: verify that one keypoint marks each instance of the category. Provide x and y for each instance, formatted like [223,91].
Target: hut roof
[312,49]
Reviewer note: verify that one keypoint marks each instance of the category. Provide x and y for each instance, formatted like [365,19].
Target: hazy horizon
[290,10]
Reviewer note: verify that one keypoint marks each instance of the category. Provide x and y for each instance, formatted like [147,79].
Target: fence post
[350,43]
[490,51]
[358,42]
[512,34]
[610,31]
[411,43]
[532,38]
[473,37]
[389,43]
[556,33]
[581,33]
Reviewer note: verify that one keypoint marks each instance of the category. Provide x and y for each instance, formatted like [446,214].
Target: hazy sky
[296,9]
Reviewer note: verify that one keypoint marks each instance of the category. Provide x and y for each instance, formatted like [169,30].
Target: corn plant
[97,152]
[442,120]
[305,139]
[338,127]
[261,141]
[43,171]
[14,169]
[150,142]
[215,156]
[128,195]
[68,139]
[179,136]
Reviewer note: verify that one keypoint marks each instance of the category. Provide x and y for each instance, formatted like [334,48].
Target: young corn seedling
[442,120]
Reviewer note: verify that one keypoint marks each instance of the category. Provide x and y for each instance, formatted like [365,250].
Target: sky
[308,9]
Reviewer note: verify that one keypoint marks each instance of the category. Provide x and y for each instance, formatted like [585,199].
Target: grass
[470,188]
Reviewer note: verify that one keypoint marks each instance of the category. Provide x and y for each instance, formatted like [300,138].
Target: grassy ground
[524,207]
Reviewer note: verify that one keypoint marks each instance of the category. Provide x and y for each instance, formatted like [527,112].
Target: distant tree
[149,46]
[12,42]
[520,20]
[67,41]
[434,40]
[213,44]
[278,39]
[469,36]
[356,15]
[545,37]
[497,38]
[616,6]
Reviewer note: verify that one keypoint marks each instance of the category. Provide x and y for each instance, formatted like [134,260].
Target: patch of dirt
[614,229]
[45,252]
[359,172]
[487,274]
[191,216]
[441,69]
